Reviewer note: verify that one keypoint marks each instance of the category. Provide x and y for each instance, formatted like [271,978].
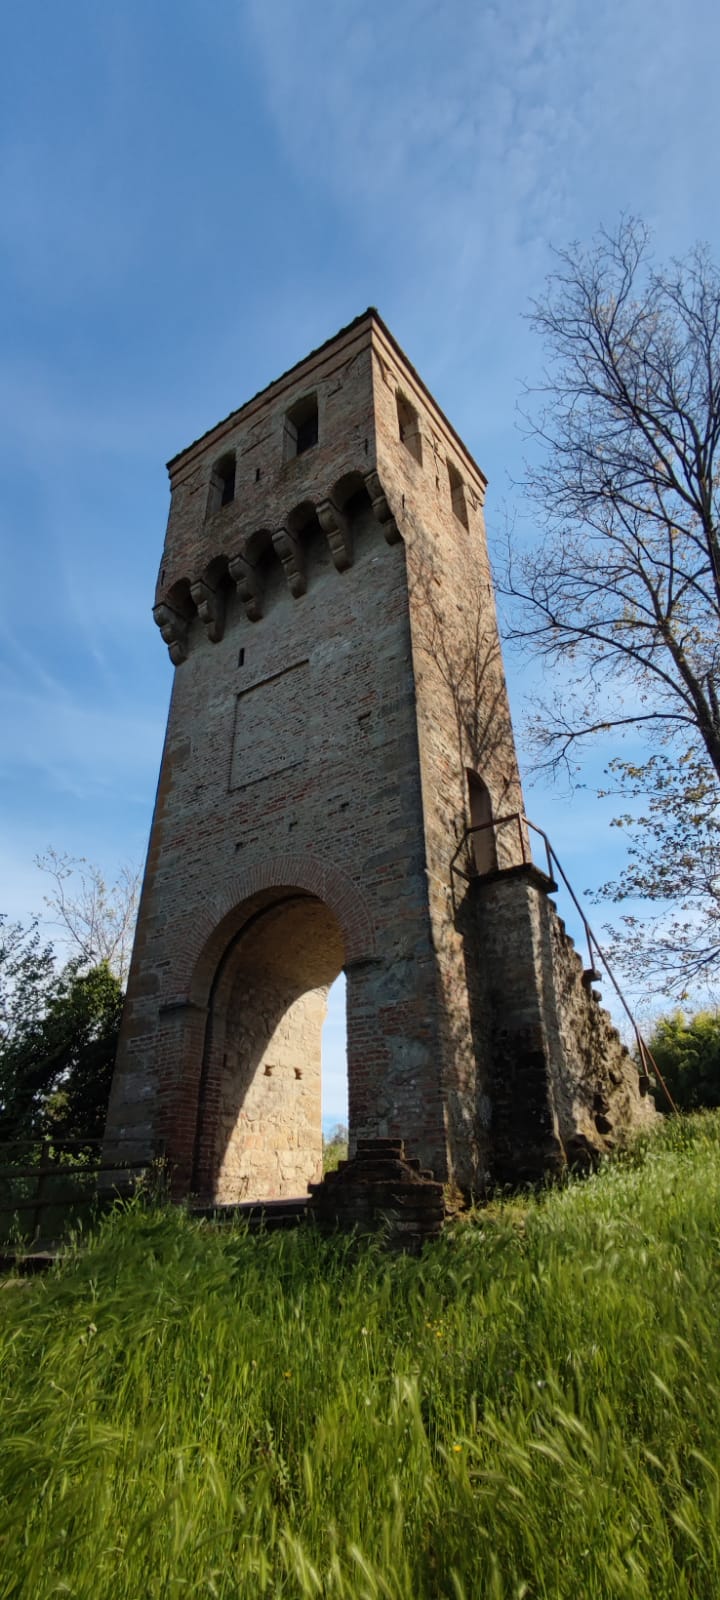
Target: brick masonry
[338,677]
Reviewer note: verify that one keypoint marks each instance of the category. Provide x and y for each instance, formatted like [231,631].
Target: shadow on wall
[260,1125]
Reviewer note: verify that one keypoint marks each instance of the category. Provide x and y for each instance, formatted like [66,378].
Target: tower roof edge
[371,316]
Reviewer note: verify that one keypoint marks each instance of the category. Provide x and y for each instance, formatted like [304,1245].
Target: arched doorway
[259,1133]
[484,851]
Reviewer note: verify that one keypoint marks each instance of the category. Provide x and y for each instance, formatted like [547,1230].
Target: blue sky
[193,196]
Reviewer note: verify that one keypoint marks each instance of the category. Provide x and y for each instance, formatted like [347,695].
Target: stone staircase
[379,1188]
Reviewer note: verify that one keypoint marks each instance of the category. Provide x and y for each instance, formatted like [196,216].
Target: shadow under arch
[206,997]
[259,1123]
[208,935]
[349,493]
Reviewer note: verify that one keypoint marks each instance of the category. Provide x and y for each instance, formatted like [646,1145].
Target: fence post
[45,1149]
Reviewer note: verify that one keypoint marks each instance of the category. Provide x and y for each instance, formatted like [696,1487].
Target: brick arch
[209,934]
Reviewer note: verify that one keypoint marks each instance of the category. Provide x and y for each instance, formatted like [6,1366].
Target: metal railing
[524,828]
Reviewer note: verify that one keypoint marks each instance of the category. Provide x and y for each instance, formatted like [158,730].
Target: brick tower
[338,719]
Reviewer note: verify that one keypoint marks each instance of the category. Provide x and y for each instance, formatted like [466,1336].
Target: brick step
[379,1147]
[257,1214]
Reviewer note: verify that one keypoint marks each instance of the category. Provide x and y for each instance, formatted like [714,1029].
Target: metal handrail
[647,1058]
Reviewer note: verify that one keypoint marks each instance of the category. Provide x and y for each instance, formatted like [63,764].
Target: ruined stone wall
[561,1084]
[595,1083]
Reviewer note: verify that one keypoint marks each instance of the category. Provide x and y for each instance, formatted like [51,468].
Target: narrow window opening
[257,474]
[482,843]
[307,433]
[301,427]
[409,427]
[222,483]
[457,494]
[241,657]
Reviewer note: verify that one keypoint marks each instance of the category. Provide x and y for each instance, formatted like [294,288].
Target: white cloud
[460,138]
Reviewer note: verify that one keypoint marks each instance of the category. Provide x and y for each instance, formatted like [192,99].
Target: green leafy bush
[687,1051]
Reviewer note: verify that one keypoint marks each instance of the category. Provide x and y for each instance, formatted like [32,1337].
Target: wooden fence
[47,1184]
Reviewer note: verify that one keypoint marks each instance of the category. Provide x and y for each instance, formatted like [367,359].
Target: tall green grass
[531,1409]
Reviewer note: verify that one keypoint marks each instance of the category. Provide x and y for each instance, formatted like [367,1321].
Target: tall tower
[338,719]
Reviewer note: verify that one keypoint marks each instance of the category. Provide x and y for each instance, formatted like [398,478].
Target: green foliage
[58,1037]
[674,863]
[27,970]
[530,1410]
[687,1051]
[335,1148]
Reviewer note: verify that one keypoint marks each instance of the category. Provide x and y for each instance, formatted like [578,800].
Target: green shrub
[687,1051]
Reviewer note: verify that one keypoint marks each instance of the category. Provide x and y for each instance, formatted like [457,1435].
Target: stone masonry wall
[562,1086]
[463,716]
[595,1083]
[339,716]
[269,1132]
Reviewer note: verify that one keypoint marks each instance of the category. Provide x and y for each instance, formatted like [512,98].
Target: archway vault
[259,1129]
[210,932]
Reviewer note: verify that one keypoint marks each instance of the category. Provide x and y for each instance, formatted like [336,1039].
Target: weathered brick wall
[463,717]
[338,676]
[328,792]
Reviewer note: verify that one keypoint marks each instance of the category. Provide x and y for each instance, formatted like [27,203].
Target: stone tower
[339,719]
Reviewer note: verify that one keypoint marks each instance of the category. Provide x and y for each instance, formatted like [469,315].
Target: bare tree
[622,592]
[673,866]
[97,918]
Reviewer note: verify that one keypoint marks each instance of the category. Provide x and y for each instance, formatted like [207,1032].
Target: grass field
[532,1409]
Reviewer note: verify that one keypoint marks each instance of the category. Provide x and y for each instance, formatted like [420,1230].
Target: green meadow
[532,1409]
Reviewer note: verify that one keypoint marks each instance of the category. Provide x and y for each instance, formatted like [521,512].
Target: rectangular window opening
[457,494]
[301,427]
[409,427]
[222,483]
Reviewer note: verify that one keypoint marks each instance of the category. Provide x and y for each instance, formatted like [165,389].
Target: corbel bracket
[336,527]
[211,608]
[381,509]
[246,580]
[174,630]
[289,549]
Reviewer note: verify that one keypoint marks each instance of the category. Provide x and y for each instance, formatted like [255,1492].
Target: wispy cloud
[75,749]
[462,137]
